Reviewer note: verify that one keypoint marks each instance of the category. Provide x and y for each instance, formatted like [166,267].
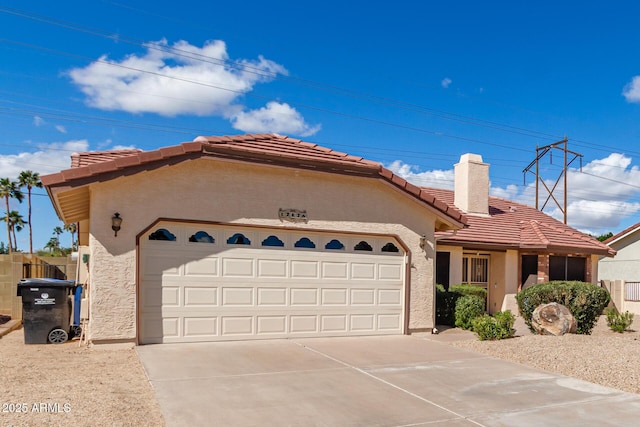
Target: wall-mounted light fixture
[423,241]
[116,222]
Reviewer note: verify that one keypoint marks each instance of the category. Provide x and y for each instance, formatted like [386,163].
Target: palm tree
[16,223]
[72,228]
[30,180]
[9,190]
[53,244]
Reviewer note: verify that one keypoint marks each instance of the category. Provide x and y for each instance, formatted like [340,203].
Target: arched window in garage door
[162,234]
[363,246]
[273,241]
[238,239]
[202,237]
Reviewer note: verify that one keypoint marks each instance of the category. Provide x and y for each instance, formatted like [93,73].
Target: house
[622,274]
[250,237]
[507,245]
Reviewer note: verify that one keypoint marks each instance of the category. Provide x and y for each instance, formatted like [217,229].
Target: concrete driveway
[368,381]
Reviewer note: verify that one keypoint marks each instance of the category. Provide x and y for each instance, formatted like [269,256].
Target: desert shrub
[468,307]
[446,301]
[498,327]
[585,301]
[618,322]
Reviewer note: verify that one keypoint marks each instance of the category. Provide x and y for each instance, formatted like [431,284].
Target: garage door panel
[214,292]
[303,324]
[200,296]
[361,271]
[272,268]
[301,296]
[390,271]
[272,297]
[362,322]
[363,297]
[237,296]
[390,322]
[238,267]
[271,324]
[390,297]
[304,269]
[334,323]
[335,270]
[207,267]
[237,325]
[334,296]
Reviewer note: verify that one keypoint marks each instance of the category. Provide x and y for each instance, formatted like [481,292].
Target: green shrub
[468,307]
[446,301]
[498,327]
[618,322]
[466,289]
[585,301]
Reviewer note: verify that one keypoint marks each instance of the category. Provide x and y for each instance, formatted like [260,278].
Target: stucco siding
[238,193]
[626,264]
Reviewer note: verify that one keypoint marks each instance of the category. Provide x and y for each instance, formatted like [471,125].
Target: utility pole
[542,152]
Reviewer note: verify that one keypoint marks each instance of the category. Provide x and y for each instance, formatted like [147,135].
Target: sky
[410,84]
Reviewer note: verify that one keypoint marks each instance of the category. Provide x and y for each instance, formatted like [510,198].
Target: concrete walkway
[368,381]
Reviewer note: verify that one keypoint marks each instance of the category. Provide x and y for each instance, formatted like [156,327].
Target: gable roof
[69,192]
[512,225]
[624,233]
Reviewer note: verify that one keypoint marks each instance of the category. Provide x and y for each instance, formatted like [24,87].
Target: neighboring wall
[12,270]
[626,264]
[616,289]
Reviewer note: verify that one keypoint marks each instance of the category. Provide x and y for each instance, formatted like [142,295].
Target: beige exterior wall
[503,276]
[626,264]
[239,193]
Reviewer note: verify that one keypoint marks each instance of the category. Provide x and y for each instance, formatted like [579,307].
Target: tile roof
[275,149]
[518,226]
[85,159]
[623,233]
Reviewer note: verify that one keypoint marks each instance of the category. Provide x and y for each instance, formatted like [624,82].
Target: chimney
[471,192]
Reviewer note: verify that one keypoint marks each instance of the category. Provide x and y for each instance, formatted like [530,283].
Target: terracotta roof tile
[262,148]
[511,224]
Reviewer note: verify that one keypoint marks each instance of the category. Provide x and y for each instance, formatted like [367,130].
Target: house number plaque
[292,215]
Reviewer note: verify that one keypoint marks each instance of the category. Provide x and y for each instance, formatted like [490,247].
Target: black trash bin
[46,309]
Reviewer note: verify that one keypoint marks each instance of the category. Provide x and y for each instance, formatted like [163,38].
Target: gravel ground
[604,357]
[67,385]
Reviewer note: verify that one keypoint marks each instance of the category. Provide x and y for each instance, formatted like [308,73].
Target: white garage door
[208,283]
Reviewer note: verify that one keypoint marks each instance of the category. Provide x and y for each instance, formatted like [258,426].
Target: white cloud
[632,90]
[433,179]
[199,83]
[446,82]
[38,121]
[600,198]
[274,117]
[61,129]
[48,158]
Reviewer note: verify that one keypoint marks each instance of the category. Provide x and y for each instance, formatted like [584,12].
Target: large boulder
[553,319]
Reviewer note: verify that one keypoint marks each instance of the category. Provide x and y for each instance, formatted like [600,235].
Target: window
[475,270]
[363,246]
[238,239]
[272,241]
[334,244]
[390,247]
[202,237]
[162,234]
[305,242]
[567,268]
